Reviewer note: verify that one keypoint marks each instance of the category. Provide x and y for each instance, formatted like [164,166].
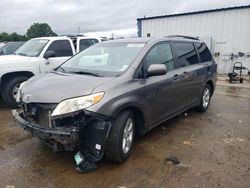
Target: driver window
[160,54]
[62,48]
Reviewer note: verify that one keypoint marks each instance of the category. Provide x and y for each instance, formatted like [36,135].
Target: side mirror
[157,70]
[49,54]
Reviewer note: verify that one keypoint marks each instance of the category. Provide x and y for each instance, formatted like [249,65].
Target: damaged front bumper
[57,138]
[85,131]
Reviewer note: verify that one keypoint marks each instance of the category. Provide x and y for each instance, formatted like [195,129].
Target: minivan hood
[13,58]
[55,87]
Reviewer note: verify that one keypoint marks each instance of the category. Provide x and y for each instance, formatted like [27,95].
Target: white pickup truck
[37,56]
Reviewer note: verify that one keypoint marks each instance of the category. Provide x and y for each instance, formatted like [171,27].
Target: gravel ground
[213,149]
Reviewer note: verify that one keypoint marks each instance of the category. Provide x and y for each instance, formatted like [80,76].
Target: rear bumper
[57,138]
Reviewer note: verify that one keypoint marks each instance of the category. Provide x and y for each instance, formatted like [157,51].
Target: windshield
[11,48]
[32,48]
[104,59]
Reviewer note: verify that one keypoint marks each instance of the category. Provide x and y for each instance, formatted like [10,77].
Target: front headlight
[75,104]
[18,96]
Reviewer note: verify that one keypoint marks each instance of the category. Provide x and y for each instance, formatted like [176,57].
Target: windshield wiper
[63,70]
[89,73]
[23,54]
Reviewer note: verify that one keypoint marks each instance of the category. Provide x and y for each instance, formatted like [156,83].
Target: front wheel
[121,139]
[205,99]
[10,89]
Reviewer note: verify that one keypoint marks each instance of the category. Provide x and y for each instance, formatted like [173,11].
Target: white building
[226,32]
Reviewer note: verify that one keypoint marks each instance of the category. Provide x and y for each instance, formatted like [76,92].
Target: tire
[116,149]
[8,90]
[241,80]
[205,99]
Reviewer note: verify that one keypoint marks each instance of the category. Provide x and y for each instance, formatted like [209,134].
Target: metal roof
[196,12]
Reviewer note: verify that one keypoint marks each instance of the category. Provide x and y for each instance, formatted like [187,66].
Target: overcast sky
[64,16]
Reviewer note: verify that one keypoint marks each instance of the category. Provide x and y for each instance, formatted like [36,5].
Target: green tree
[14,36]
[22,38]
[4,37]
[40,30]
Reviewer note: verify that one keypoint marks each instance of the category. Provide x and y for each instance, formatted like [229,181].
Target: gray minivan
[101,98]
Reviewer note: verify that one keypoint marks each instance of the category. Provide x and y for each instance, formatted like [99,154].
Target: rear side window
[186,54]
[160,54]
[62,48]
[94,41]
[85,43]
[204,52]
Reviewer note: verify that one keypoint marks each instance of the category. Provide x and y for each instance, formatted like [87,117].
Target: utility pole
[78,29]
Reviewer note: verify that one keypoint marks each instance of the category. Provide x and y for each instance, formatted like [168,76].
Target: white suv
[37,56]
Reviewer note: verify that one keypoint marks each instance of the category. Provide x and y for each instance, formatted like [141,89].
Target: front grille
[38,113]
[43,117]
[41,114]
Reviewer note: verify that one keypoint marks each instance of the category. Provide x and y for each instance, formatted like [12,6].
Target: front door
[162,92]
[63,51]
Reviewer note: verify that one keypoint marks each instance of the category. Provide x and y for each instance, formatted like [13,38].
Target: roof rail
[73,35]
[183,36]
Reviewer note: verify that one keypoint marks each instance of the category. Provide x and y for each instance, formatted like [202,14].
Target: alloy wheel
[128,134]
[206,98]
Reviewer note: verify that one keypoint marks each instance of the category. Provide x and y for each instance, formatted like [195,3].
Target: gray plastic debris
[173,159]
[84,165]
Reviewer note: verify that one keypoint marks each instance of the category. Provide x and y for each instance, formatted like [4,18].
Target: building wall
[226,32]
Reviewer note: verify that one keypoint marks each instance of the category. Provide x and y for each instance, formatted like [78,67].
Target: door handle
[184,73]
[177,77]
[190,74]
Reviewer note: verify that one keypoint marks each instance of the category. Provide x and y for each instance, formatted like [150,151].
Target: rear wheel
[205,99]
[10,89]
[121,139]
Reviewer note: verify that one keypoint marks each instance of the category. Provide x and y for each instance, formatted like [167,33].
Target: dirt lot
[214,150]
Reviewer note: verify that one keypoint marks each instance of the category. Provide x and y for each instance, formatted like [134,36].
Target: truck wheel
[121,138]
[10,88]
[205,99]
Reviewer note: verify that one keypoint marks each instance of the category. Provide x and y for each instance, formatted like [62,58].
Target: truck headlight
[76,104]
